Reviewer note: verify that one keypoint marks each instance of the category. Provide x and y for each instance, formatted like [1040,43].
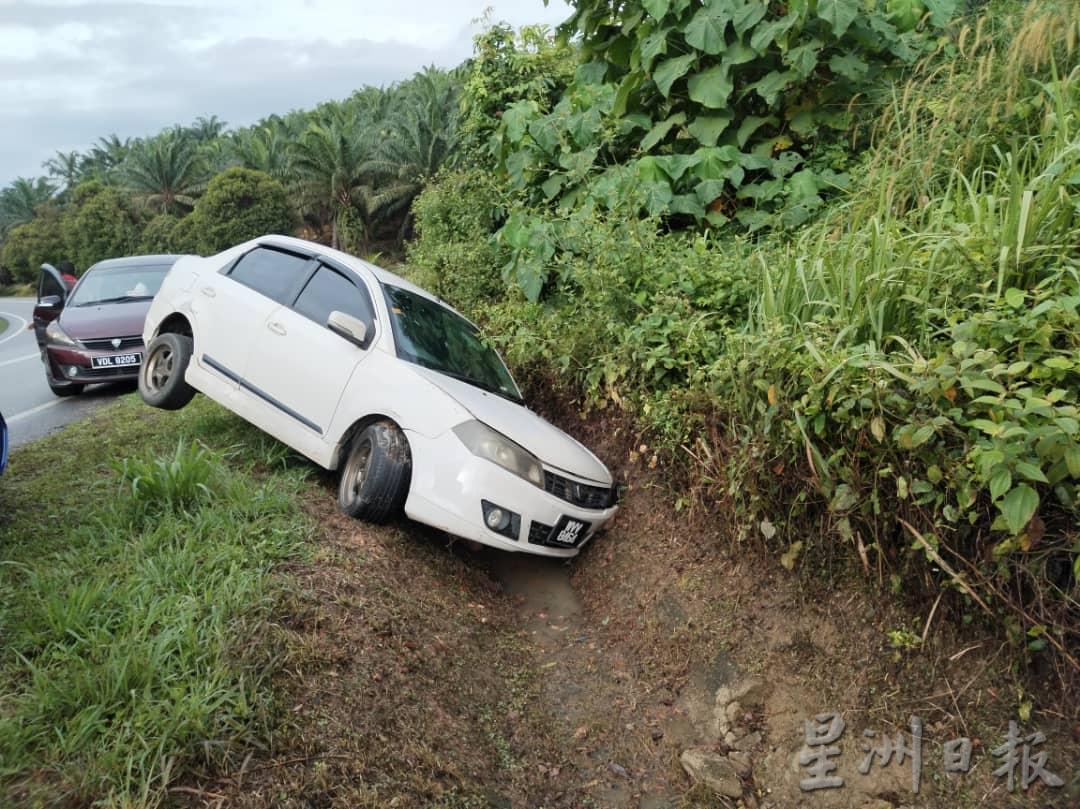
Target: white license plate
[116,361]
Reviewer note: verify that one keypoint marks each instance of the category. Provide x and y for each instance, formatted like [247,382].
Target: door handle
[277,328]
[209,292]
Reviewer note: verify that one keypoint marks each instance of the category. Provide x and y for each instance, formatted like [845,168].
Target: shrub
[157,235]
[239,204]
[103,225]
[30,245]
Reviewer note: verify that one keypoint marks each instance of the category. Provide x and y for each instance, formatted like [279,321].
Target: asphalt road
[30,408]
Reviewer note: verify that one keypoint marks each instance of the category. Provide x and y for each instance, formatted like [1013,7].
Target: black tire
[375,474]
[161,377]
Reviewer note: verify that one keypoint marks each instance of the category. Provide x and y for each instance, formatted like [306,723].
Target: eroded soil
[421,674]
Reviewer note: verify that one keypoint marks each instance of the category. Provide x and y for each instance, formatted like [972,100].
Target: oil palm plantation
[421,127]
[167,171]
[331,161]
[19,200]
[67,167]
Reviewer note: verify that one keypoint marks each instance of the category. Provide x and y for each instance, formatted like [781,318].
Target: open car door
[52,294]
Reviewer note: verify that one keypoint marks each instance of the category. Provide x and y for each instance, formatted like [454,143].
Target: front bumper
[449,483]
[69,364]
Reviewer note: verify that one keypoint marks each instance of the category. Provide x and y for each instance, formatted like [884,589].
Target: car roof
[136,261]
[352,262]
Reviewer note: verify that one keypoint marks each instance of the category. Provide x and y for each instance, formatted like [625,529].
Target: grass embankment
[131,592]
[3,325]
[201,621]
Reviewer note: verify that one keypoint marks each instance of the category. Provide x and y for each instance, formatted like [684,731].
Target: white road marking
[14,332]
[23,358]
[33,410]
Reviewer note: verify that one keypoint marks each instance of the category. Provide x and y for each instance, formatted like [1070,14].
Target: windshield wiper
[118,299]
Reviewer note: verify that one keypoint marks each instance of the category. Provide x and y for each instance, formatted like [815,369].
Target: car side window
[271,272]
[329,290]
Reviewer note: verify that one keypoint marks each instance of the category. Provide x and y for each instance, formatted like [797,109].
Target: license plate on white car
[569,532]
[116,361]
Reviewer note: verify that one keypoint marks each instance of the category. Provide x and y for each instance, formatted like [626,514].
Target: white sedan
[360,370]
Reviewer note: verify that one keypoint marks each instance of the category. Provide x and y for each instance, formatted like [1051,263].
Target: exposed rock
[748,742]
[877,803]
[730,739]
[712,769]
[750,691]
[733,712]
[742,763]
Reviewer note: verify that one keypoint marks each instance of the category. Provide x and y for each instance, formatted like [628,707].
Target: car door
[52,293]
[231,307]
[300,365]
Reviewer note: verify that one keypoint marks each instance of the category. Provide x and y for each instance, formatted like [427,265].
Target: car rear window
[329,290]
[271,272]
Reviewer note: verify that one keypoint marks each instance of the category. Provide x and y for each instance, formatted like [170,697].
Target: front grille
[105,344]
[94,373]
[538,533]
[579,494]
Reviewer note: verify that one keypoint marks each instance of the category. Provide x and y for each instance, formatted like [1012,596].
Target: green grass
[3,325]
[135,568]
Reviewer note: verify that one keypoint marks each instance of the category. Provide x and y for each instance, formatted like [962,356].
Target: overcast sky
[74,70]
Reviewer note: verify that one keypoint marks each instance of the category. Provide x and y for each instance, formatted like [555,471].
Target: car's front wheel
[375,475]
[161,378]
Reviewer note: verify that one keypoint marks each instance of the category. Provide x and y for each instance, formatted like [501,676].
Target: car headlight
[55,334]
[483,442]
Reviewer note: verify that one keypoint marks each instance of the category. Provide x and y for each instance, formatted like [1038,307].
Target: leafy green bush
[455,218]
[183,238]
[157,235]
[38,241]
[239,204]
[103,224]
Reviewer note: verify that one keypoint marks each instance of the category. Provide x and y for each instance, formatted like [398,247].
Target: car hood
[105,320]
[543,439]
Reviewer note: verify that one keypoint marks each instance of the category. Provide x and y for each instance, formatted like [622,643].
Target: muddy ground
[418,673]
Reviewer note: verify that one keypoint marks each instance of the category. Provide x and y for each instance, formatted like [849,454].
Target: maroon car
[94,332]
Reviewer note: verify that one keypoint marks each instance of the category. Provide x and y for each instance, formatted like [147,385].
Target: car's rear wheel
[375,475]
[161,378]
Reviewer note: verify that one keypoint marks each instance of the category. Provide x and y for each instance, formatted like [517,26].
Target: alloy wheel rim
[356,471]
[160,368]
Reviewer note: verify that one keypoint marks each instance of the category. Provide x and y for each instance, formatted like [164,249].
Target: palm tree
[263,148]
[422,127]
[330,160]
[66,166]
[207,129]
[20,199]
[167,170]
[105,156]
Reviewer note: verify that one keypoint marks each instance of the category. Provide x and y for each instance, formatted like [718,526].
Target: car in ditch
[93,333]
[364,372]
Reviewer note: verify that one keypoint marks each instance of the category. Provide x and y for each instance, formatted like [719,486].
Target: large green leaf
[655,44]
[656,8]
[658,197]
[659,132]
[840,14]
[669,70]
[676,165]
[516,117]
[849,66]
[711,87]
[765,34]
[1018,507]
[751,124]
[706,29]
[708,128]
[804,58]
[770,86]
[748,15]
[714,162]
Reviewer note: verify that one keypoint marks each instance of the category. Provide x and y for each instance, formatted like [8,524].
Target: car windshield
[118,285]
[433,336]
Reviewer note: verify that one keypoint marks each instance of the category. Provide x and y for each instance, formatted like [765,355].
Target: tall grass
[130,629]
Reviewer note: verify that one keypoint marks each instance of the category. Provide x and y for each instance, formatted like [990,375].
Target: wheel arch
[355,429]
[176,323]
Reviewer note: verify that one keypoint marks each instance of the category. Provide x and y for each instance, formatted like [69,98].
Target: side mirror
[51,302]
[349,327]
